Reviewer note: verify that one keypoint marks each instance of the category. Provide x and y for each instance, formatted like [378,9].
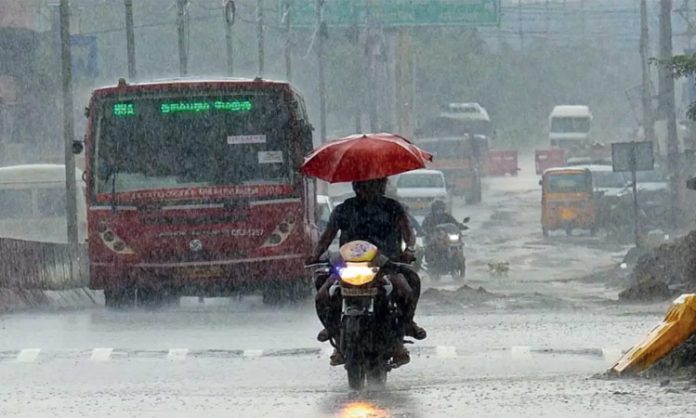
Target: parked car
[420,188]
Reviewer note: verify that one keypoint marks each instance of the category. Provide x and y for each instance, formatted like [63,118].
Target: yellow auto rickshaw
[567,200]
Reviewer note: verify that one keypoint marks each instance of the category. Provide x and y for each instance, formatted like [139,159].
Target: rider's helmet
[438,206]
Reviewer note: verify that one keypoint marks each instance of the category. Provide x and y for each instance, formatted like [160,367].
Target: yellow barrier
[678,326]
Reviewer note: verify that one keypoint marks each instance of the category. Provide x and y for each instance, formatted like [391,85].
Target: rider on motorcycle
[438,215]
[372,217]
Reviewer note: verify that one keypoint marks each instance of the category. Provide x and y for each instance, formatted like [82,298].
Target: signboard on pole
[397,12]
[623,154]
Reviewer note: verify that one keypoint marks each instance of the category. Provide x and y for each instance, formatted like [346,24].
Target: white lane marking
[446,351]
[612,355]
[101,354]
[252,353]
[28,355]
[521,351]
[177,354]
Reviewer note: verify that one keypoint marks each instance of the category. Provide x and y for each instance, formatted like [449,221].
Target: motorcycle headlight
[357,275]
[453,237]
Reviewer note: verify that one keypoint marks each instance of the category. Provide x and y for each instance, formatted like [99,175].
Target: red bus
[194,189]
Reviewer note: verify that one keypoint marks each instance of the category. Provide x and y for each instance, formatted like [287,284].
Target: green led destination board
[123,109]
[204,106]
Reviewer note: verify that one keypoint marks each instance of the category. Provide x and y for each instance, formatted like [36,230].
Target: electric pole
[68,128]
[646,96]
[130,40]
[320,33]
[181,29]
[260,34]
[667,102]
[229,12]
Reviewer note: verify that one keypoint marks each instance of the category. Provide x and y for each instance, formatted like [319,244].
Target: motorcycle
[444,251]
[371,326]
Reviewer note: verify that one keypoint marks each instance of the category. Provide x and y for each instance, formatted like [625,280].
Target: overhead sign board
[629,156]
[395,12]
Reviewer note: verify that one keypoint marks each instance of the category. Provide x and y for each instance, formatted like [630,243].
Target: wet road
[531,347]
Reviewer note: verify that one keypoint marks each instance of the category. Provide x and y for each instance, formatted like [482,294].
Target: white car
[420,188]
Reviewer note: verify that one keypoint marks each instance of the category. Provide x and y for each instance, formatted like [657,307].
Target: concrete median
[34,274]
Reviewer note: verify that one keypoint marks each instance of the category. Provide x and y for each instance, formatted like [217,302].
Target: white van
[32,203]
[569,126]
[420,188]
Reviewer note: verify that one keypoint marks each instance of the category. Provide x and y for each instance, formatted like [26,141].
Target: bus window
[15,204]
[51,202]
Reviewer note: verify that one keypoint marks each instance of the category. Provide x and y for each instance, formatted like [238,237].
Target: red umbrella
[364,157]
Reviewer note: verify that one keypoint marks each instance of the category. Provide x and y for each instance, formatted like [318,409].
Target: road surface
[534,343]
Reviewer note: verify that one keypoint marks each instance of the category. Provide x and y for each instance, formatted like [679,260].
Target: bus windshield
[570,124]
[569,183]
[446,149]
[443,126]
[160,142]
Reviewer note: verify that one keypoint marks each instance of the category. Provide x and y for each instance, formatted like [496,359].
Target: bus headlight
[112,241]
[280,233]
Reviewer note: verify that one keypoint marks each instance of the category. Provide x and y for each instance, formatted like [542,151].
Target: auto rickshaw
[567,200]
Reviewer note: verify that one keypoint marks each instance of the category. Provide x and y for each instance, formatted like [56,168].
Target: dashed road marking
[612,355]
[101,354]
[521,351]
[446,351]
[177,354]
[28,355]
[252,353]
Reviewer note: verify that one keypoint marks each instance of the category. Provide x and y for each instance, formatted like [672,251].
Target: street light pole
[130,40]
[68,128]
[288,41]
[229,12]
[181,29]
[320,64]
[260,35]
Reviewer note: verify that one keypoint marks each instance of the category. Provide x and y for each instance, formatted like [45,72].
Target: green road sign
[395,12]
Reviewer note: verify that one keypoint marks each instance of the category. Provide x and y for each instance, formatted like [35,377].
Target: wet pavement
[531,345]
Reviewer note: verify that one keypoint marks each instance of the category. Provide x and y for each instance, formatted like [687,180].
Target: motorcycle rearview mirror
[467,219]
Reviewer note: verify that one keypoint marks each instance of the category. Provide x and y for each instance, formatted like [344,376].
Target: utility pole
[229,12]
[130,40]
[667,103]
[288,40]
[260,34]
[648,119]
[68,128]
[320,33]
[181,29]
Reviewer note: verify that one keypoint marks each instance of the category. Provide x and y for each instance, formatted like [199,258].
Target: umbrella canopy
[364,157]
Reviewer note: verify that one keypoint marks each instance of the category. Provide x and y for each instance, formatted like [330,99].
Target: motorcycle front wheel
[353,352]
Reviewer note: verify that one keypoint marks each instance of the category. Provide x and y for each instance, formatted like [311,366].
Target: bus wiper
[113,189]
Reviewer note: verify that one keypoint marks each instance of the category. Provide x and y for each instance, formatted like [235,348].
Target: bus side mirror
[77,147]
[691,183]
